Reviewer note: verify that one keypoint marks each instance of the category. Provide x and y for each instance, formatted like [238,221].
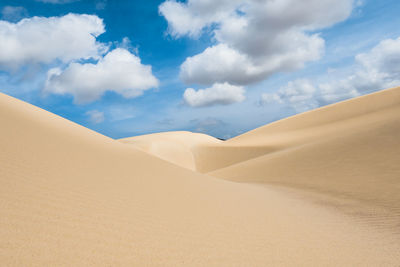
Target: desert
[200,133]
[319,188]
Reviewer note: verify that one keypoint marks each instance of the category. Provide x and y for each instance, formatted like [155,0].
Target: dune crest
[175,147]
[349,149]
[70,196]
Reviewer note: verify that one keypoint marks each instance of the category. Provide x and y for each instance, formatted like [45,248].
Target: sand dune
[175,147]
[70,196]
[194,151]
[350,149]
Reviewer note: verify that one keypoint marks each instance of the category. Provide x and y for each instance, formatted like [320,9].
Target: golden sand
[318,189]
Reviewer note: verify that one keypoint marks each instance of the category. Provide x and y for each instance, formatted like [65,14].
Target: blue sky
[247,62]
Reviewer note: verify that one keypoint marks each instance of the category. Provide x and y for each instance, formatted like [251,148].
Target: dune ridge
[350,149]
[317,125]
[70,196]
[346,153]
[176,147]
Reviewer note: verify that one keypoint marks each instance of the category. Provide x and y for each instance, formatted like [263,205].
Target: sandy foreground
[318,189]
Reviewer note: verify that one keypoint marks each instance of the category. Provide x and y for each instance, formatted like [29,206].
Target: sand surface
[317,189]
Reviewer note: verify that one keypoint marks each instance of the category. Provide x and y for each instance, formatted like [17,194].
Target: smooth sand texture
[70,196]
[194,151]
[175,147]
[349,150]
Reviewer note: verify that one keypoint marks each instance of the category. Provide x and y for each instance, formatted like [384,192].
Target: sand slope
[70,196]
[350,149]
[194,151]
[175,147]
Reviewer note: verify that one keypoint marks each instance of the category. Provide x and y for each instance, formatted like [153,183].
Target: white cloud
[218,94]
[375,70]
[68,41]
[13,13]
[217,64]
[95,116]
[119,71]
[190,18]
[382,63]
[221,63]
[254,38]
[126,43]
[336,91]
[298,94]
[44,40]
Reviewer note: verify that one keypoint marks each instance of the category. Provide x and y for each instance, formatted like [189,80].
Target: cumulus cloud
[13,13]
[44,40]
[221,63]
[331,92]
[70,42]
[95,116]
[382,63]
[118,71]
[190,18]
[299,94]
[218,94]
[375,70]
[254,38]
